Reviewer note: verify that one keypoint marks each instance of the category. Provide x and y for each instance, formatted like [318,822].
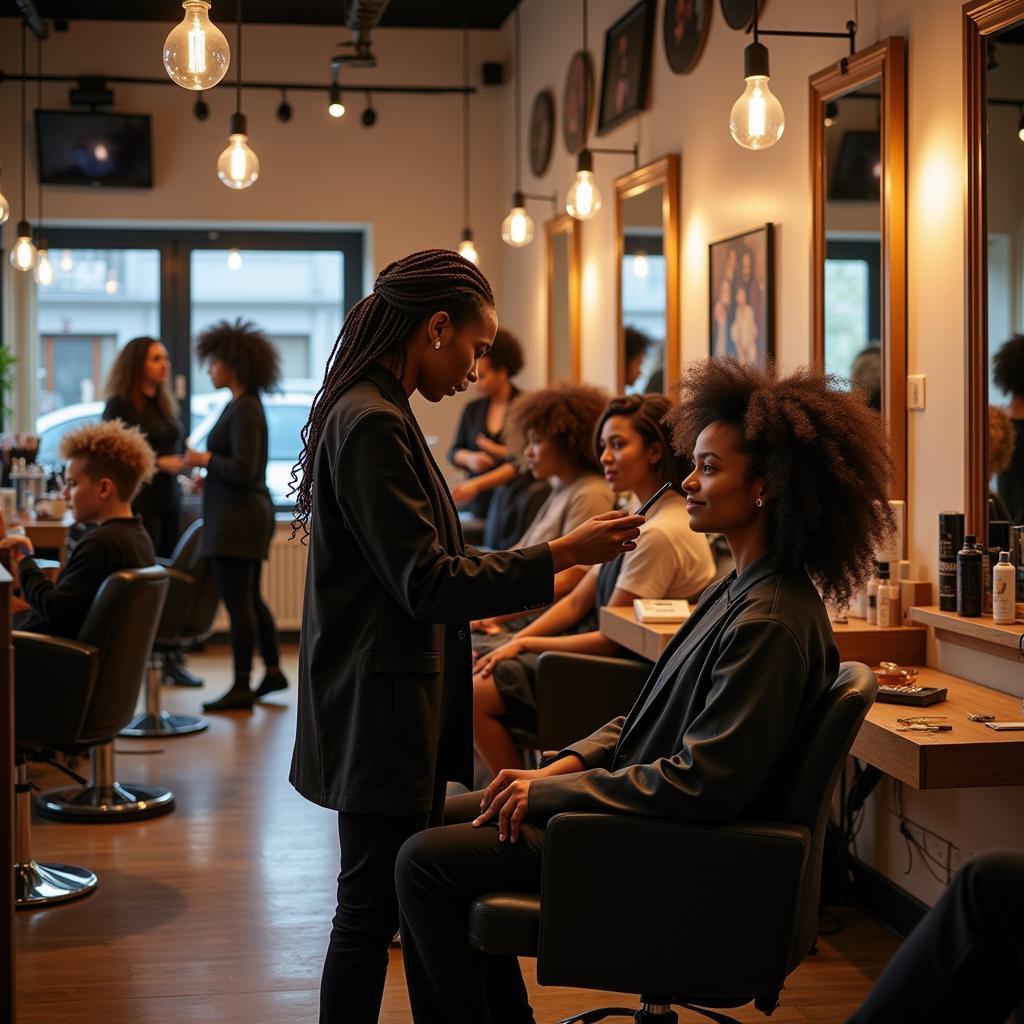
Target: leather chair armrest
[180,595]
[578,693]
[646,905]
[53,683]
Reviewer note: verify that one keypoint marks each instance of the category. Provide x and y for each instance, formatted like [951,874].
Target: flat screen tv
[858,166]
[88,148]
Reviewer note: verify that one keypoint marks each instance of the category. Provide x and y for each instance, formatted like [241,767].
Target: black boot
[175,672]
[273,681]
[238,698]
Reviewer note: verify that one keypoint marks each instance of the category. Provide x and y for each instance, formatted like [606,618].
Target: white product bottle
[1003,585]
[888,602]
[873,596]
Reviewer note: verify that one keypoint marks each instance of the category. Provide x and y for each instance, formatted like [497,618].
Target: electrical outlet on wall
[915,391]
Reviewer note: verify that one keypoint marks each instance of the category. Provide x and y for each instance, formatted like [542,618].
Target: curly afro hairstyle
[505,353]
[566,414]
[1008,365]
[242,346]
[1001,441]
[824,456]
[111,449]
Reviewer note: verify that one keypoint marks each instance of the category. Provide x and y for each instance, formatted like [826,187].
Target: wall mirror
[859,264]
[563,240]
[647,277]
[993,107]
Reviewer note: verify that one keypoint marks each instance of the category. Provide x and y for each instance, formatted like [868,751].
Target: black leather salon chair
[513,508]
[187,618]
[703,916]
[74,696]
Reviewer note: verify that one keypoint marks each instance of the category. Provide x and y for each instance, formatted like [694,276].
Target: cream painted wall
[726,189]
[401,180]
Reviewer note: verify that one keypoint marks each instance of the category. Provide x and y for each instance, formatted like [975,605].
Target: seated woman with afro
[794,472]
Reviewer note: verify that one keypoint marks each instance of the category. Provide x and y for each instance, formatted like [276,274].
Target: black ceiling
[488,14]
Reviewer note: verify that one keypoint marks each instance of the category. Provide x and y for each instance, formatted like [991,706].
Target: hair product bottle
[888,598]
[873,596]
[968,579]
[951,538]
[1003,587]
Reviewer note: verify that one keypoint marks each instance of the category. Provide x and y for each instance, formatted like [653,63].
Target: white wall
[402,179]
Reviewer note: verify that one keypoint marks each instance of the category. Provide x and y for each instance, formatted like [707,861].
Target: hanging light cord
[24,140]
[238,56]
[465,128]
[584,26]
[39,106]
[586,99]
[519,90]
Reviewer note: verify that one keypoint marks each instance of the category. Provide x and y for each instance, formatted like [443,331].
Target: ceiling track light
[757,119]
[201,110]
[196,54]
[369,115]
[334,105]
[284,108]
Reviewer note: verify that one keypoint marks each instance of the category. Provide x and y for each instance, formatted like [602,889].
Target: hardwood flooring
[220,910]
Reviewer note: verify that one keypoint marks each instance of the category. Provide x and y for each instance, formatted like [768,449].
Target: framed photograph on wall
[626,73]
[542,131]
[685,31]
[742,296]
[578,102]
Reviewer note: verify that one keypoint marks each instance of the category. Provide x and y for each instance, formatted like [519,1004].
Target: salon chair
[187,618]
[706,916]
[74,696]
[513,508]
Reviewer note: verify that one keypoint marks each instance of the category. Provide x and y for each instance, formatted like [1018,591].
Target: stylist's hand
[600,539]
[507,798]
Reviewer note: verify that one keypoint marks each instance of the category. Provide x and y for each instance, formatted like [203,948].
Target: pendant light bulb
[43,270]
[467,249]
[67,263]
[517,227]
[23,252]
[336,108]
[196,53]
[641,266]
[757,119]
[583,200]
[234,259]
[1020,135]
[238,166]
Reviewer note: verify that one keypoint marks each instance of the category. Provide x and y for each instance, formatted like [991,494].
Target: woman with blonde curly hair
[795,473]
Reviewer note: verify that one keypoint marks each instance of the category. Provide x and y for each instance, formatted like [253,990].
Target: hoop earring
[759,502]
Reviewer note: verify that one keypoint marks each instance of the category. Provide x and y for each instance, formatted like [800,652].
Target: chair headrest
[189,549]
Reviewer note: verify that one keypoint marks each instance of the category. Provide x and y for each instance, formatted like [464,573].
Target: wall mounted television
[96,149]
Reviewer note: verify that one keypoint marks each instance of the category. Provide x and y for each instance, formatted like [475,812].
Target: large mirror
[994,105]
[563,238]
[859,271]
[647,276]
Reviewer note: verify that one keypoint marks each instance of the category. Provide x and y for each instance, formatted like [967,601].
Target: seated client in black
[106,464]
[795,473]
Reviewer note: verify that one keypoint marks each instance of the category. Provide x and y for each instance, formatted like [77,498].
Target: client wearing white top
[670,561]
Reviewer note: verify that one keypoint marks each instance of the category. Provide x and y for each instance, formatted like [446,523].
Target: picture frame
[739,14]
[578,102]
[626,70]
[685,25]
[542,131]
[741,296]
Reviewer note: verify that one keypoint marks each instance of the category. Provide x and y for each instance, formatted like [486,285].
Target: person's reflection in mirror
[1008,375]
[748,281]
[743,331]
[637,345]
[1001,445]
[720,319]
[866,373]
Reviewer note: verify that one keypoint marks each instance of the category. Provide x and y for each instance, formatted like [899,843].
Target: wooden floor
[220,911]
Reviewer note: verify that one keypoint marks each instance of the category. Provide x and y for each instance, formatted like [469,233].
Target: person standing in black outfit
[237,510]
[479,446]
[139,394]
[385,666]
[1008,374]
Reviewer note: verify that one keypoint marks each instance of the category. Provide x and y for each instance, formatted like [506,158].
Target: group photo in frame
[626,71]
[741,278]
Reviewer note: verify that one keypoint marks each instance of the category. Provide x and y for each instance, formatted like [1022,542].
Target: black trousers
[965,960]
[438,874]
[164,528]
[238,581]
[366,920]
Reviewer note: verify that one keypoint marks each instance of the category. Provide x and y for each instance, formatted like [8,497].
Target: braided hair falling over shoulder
[405,292]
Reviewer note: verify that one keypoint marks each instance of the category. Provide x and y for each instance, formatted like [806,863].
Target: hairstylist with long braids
[385,669]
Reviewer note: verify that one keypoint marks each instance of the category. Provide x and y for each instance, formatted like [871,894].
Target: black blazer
[237,509]
[385,664]
[164,436]
[718,711]
[472,422]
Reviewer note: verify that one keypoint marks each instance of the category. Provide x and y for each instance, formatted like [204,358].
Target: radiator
[284,575]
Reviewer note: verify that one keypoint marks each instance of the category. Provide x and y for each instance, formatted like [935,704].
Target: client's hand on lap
[507,798]
[485,662]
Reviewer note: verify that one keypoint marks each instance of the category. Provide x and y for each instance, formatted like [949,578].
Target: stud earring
[759,503]
[437,344]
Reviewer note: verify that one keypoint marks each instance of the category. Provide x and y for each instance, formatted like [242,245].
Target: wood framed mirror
[563,242]
[993,38]
[647,277]
[859,237]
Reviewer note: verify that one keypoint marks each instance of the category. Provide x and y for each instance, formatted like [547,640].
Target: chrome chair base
[163,723]
[39,885]
[116,801]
